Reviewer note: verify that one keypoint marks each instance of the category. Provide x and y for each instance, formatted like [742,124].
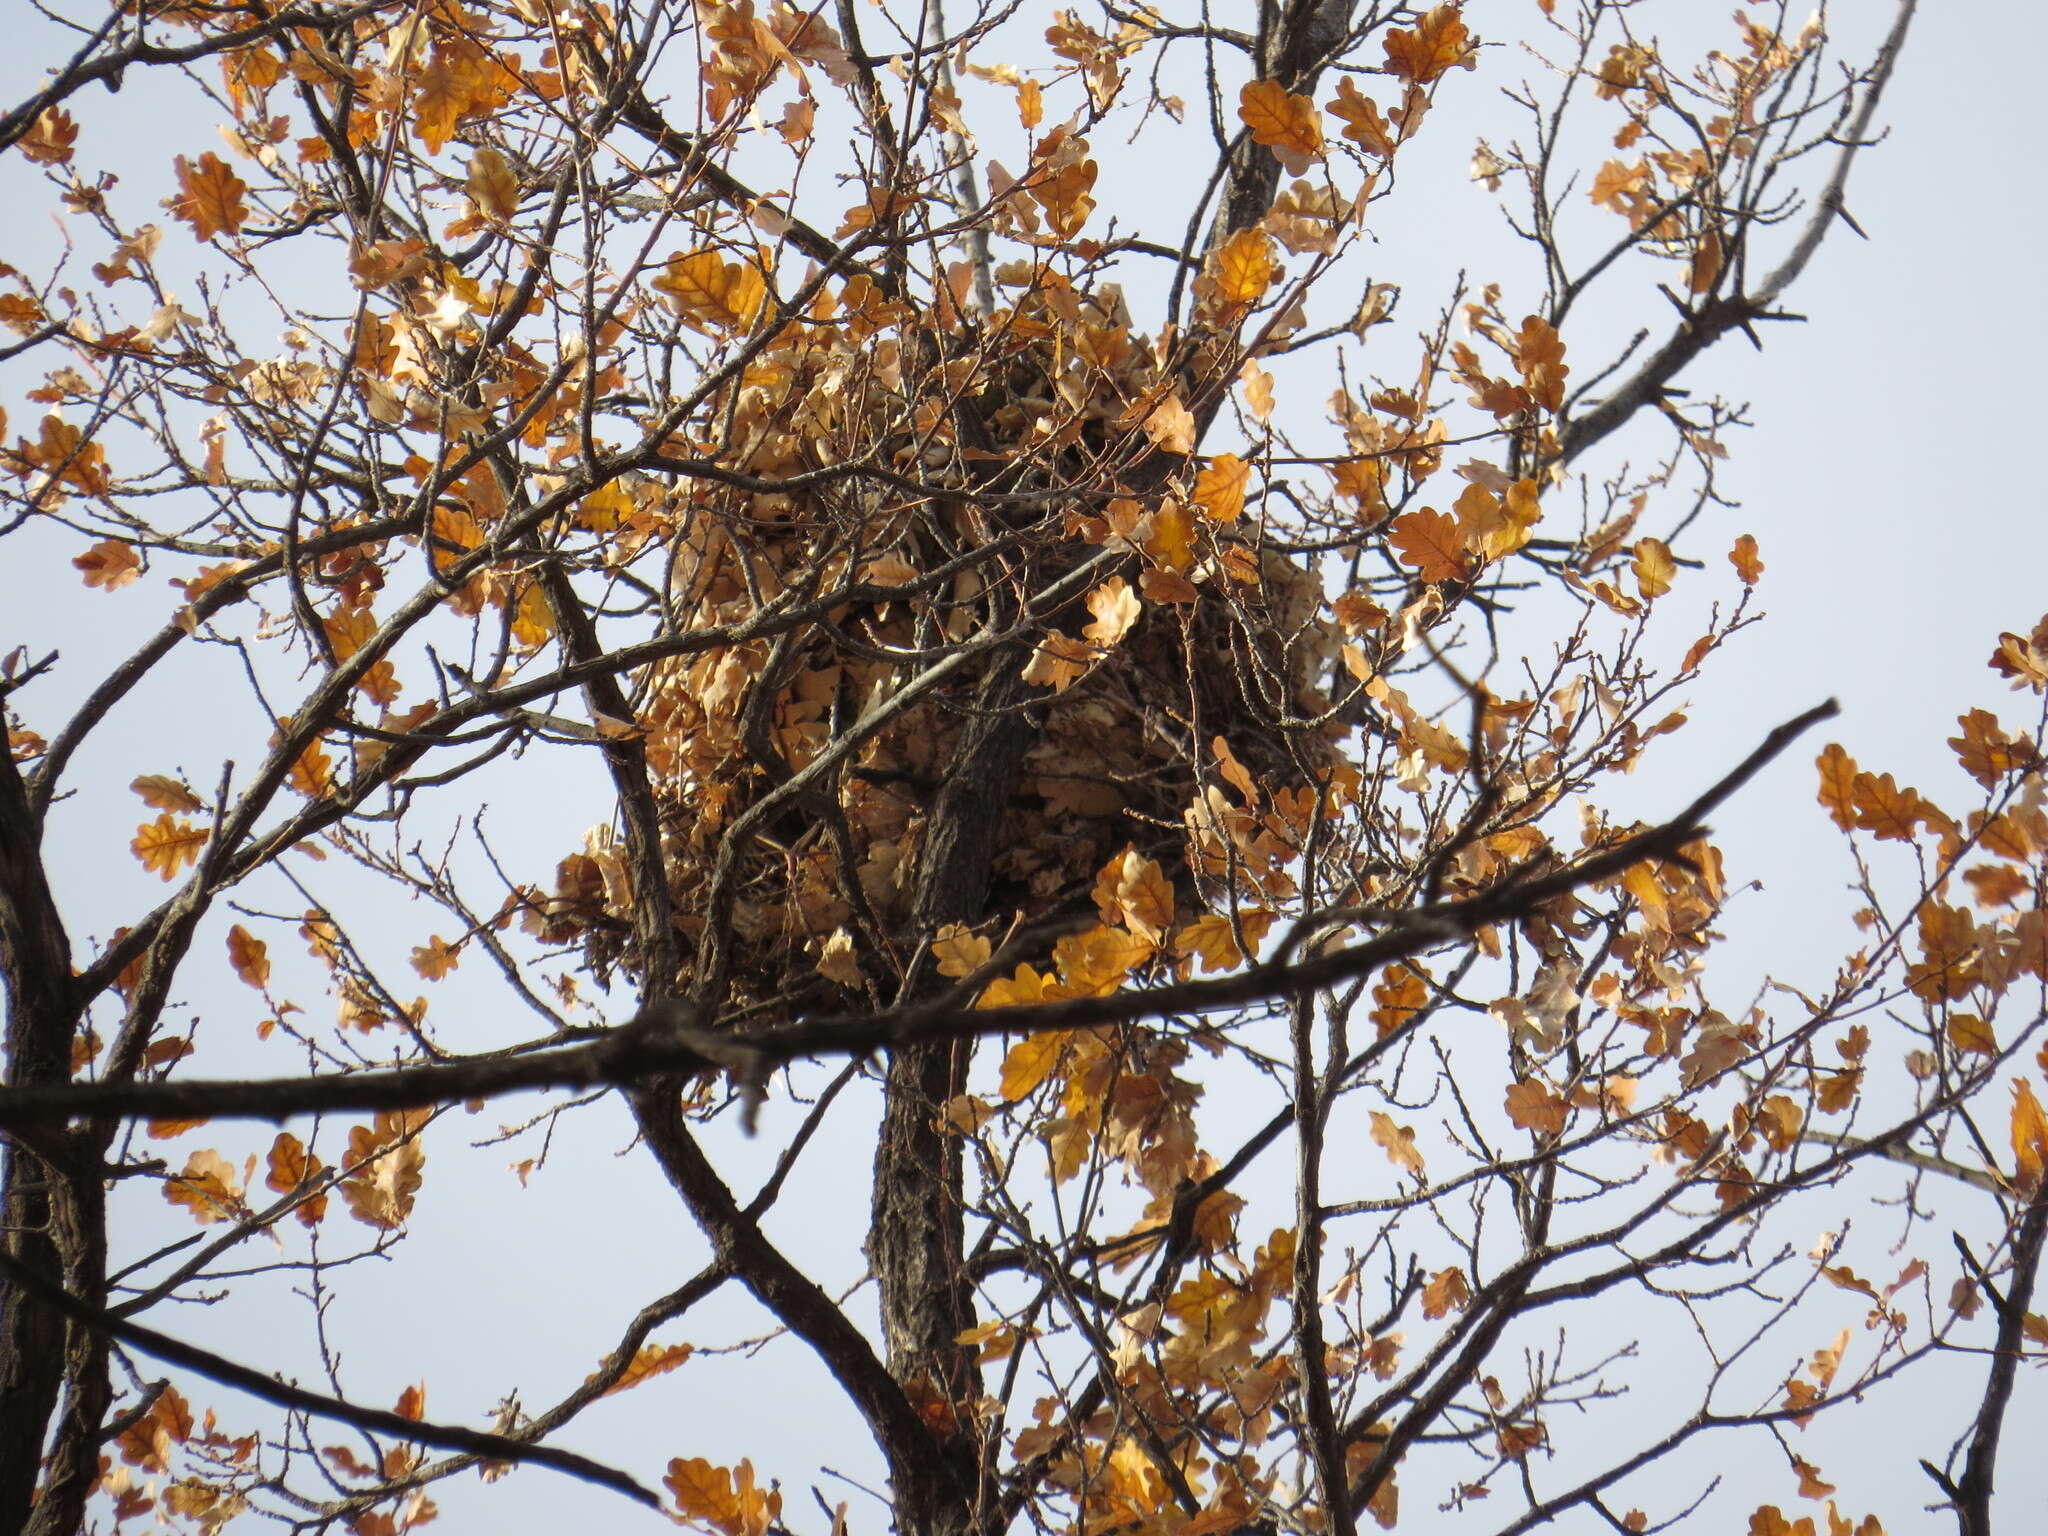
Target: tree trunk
[917,1239]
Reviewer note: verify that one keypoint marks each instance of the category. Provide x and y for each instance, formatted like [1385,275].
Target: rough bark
[917,1239]
[35,1183]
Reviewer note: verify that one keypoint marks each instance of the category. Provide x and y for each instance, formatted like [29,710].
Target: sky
[1886,481]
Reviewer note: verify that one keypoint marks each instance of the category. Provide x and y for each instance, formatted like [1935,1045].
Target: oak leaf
[1219,488]
[250,957]
[385,1162]
[167,845]
[207,1188]
[649,1361]
[1446,1292]
[1429,541]
[1837,784]
[1986,752]
[1171,426]
[1363,123]
[1116,609]
[2029,1138]
[292,1168]
[109,565]
[161,792]
[1535,1107]
[1653,567]
[1030,1062]
[1398,1141]
[434,959]
[1244,268]
[1439,42]
[1744,558]
[492,185]
[1286,124]
[210,197]
[958,952]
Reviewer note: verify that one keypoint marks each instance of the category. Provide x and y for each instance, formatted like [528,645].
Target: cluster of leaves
[973,646]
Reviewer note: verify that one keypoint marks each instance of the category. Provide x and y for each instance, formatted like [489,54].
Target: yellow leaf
[712,293]
[1030,1062]
[1212,938]
[1020,990]
[1653,567]
[1244,268]
[1288,125]
[167,845]
[958,952]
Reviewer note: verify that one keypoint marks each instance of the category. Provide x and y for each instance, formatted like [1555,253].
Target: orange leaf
[1287,125]
[109,565]
[651,1361]
[1534,1107]
[209,197]
[1438,43]
[249,956]
[50,140]
[291,1165]
[167,845]
[492,185]
[2029,1138]
[1398,1141]
[1030,1062]
[1539,356]
[1744,558]
[1363,124]
[164,793]
[1219,489]
[1429,540]
[1837,779]
[436,958]
[1447,1292]
[207,1188]
[1244,268]
[1986,752]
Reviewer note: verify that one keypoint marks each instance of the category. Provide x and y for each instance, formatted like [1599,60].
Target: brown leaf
[209,197]
[250,957]
[1429,541]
